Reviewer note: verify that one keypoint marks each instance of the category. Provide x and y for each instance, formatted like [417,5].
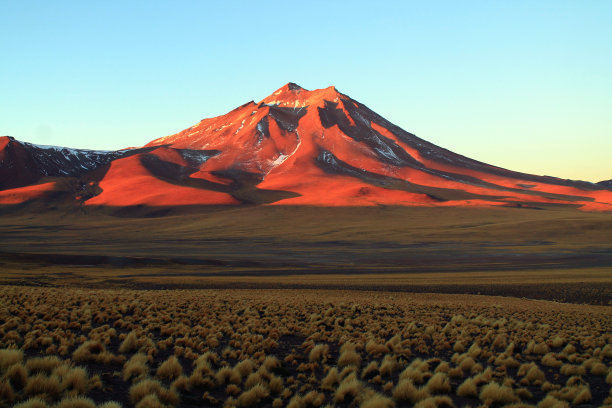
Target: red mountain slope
[299,147]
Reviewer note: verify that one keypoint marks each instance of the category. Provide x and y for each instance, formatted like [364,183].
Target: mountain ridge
[294,147]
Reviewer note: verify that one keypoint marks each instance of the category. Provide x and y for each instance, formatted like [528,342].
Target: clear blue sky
[519,84]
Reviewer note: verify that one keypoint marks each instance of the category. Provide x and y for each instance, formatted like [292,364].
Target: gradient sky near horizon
[518,84]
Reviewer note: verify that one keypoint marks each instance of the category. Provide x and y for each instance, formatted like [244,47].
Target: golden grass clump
[377,400]
[94,351]
[375,349]
[551,402]
[330,380]
[312,399]
[129,343]
[388,365]
[8,357]
[405,391]
[349,356]
[253,395]
[110,404]
[150,387]
[599,368]
[136,367]
[169,369]
[575,394]
[244,367]
[370,370]
[41,384]
[42,364]
[319,353]
[16,376]
[435,402]
[32,403]
[76,402]
[469,388]
[76,379]
[439,383]
[348,389]
[227,374]
[494,393]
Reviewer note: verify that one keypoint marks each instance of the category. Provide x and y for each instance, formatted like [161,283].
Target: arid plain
[306,307]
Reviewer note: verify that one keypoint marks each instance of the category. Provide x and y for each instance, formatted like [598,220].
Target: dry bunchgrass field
[71,347]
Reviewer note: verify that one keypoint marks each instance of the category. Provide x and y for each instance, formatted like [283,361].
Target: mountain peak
[294,95]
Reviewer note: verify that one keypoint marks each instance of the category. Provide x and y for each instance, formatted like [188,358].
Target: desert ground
[306,307]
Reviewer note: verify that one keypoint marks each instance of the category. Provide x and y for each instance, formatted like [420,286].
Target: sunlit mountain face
[295,147]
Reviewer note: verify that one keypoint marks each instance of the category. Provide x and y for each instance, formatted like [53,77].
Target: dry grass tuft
[468,388]
[110,404]
[227,374]
[253,396]
[32,403]
[551,402]
[149,387]
[130,343]
[435,402]
[349,356]
[169,369]
[76,402]
[494,393]
[377,400]
[319,352]
[405,390]
[43,385]
[348,389]
[42,364]
[439,383]
[8,357]
[136,367]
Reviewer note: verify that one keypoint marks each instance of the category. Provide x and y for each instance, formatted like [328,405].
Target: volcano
[295,147]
